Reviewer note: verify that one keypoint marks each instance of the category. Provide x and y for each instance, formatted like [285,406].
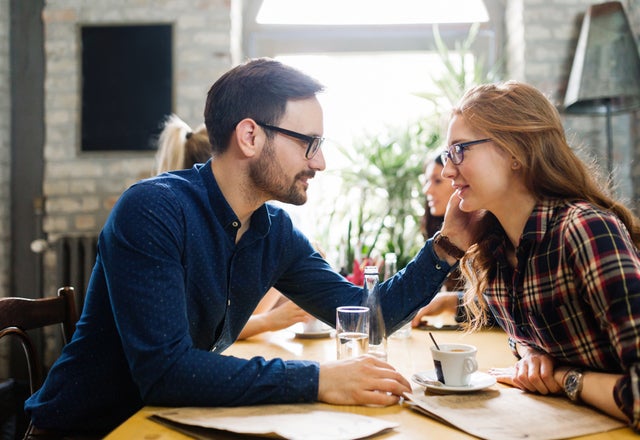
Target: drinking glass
[352,331]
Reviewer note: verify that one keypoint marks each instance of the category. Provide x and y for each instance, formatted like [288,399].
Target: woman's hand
[533,373]
[462,228]
[283,315]
[443,302]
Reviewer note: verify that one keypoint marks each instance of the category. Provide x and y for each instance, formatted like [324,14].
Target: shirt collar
[260,221]
[539,220]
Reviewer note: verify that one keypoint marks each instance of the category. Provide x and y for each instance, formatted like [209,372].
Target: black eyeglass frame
[314,143]
[456,150]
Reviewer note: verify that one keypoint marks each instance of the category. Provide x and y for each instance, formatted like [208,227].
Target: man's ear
[249,137]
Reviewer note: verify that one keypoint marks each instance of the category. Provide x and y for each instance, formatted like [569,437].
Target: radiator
[75,257]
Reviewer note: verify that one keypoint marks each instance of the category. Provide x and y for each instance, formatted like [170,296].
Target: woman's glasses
[455,152]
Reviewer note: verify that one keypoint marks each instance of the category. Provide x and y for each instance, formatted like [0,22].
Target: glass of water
[352,331]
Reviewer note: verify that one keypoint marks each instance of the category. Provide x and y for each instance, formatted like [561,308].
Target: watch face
[572,382]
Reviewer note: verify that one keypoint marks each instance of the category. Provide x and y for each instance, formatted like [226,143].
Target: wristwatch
[451,249]
[513,345]
[572,383]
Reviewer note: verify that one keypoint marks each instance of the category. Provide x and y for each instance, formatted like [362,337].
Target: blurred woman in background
[438,191]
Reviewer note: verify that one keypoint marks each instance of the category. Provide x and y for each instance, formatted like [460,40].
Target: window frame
[270,40]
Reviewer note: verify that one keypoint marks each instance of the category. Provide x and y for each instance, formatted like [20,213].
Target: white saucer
[429,379]
[314,335]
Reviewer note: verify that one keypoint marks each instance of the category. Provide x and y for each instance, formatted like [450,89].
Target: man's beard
[267,176]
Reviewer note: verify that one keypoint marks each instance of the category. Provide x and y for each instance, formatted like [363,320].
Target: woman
[437,191]
[180,147]
[557,262]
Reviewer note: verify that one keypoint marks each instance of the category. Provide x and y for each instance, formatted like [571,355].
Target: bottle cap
[368,270]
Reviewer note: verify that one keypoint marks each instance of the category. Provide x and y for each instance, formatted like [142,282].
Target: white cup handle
[470,365]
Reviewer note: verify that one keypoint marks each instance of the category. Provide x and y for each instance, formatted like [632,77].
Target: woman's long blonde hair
[179,147]
[523,122]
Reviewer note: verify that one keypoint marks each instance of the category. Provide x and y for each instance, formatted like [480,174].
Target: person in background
[185,257]
[179,148]
[557,260]
[438,191]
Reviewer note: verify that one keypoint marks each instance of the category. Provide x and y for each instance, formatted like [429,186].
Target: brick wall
[542,37]
[5,158]
[80,188]
[633,10]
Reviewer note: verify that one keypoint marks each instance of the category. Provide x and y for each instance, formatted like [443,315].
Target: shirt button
[234,224]
[228,302]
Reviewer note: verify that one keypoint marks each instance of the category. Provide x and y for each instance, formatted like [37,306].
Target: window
[126,86]
[363,12]
[374,56]
[377,59]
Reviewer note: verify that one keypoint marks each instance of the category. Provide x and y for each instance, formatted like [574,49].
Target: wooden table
[407,355]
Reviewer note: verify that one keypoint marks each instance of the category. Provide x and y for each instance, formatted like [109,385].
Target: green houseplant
[382,200]
[382,195]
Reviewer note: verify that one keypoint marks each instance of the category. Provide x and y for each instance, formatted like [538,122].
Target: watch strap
[445,244]
[513,345]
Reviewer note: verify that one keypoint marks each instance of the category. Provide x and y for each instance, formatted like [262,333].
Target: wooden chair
[19,315]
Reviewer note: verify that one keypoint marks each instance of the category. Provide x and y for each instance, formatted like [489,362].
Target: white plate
[429,379]
[314,335]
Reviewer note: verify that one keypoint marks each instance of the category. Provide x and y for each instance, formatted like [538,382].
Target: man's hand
[364,380]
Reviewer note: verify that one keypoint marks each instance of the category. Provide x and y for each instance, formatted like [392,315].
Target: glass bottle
[377,330]
[390,265]
[390,269]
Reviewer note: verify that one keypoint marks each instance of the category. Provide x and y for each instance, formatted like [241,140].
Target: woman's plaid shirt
[575,293]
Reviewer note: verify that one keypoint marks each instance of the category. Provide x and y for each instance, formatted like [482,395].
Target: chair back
[18,315]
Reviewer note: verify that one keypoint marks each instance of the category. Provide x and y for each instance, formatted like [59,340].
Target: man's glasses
[313,142]
[455,152]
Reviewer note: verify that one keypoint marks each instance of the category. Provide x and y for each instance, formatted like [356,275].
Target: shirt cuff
[301,381]
[440,264]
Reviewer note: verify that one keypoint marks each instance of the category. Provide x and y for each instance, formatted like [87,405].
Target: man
[185,257]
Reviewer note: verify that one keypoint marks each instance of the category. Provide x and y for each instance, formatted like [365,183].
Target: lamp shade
[605,76]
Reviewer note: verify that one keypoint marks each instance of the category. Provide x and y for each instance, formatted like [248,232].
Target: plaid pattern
[575,293]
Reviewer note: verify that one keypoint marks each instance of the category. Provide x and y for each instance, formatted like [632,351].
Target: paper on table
[510,413]
[293,422]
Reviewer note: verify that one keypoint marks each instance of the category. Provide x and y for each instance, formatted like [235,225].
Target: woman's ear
[249,137]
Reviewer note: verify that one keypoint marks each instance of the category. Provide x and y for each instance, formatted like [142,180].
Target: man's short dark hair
[258,89]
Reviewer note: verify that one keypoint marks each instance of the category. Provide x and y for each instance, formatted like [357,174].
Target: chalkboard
[127,77]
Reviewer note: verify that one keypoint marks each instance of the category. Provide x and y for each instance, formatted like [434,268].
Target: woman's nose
[449,170]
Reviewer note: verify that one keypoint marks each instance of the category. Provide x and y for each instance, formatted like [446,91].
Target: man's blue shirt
[171,290]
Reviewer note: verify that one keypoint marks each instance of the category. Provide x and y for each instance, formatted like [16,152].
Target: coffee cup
[454,363]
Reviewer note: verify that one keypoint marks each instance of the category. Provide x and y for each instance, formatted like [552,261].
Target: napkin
[300,421]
